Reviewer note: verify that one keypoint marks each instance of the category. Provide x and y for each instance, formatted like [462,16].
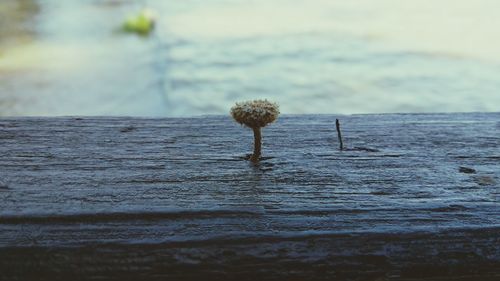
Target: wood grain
[175,199]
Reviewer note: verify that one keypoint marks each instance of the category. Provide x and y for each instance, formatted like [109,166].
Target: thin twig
[339,134]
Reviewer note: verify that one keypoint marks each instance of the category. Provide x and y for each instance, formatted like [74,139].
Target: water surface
[69,58]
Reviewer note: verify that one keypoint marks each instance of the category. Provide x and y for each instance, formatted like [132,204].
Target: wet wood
[175,199]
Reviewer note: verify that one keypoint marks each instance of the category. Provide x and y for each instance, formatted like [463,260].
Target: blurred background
[72,57]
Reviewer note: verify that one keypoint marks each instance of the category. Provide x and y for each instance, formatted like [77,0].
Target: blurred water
[311,56]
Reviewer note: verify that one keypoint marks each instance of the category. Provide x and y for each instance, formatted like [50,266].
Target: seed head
[256,113]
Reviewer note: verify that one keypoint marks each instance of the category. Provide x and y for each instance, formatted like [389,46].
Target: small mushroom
[255,115]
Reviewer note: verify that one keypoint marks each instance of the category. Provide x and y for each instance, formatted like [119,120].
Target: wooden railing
[409,197]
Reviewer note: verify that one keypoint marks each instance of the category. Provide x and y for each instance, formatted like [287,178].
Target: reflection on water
[312,56]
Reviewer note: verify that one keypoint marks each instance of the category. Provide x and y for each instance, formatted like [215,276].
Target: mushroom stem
[257,144]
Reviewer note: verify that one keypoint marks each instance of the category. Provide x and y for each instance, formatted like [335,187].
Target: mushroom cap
[256,113]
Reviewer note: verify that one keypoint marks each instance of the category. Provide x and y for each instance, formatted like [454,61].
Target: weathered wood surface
[174,199]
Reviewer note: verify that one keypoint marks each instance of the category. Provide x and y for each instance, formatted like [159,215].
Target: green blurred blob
[142,24]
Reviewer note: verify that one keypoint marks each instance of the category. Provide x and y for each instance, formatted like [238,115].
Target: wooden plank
[174,198]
